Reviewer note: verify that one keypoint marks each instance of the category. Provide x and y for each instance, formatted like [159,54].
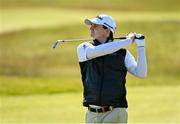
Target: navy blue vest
[104,79]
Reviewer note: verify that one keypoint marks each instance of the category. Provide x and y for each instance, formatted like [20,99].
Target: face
[98,32]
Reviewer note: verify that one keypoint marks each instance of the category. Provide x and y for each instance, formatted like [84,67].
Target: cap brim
[95,21]
[92,21]
[88,22]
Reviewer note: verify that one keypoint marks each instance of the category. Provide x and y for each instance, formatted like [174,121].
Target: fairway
[156,104]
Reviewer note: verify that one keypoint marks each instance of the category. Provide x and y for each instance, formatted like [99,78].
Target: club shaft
[90,39]
[87,39]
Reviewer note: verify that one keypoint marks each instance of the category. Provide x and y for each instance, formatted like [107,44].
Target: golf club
[73,40]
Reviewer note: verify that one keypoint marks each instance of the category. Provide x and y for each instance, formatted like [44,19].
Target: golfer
[104,65]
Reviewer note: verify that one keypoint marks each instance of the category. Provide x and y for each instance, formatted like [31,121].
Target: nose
[92,27]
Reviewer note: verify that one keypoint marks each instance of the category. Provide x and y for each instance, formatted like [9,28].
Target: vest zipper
[102,81]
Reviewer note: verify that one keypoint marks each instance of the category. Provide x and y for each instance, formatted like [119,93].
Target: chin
[92,36]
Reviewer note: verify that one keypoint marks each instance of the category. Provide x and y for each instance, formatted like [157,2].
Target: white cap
[103,19]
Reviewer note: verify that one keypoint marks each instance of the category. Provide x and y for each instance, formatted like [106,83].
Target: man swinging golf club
[104,65]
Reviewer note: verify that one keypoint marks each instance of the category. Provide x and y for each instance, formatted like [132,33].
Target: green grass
[27,85]
[152,104]
[16,85]
[120,5]
[14,19]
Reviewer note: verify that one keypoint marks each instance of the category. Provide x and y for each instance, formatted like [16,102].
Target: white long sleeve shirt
[86,51]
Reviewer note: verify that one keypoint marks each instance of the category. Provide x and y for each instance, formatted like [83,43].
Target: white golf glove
[131,36]
[139,42]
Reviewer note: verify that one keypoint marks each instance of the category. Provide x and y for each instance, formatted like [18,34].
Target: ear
[108,32]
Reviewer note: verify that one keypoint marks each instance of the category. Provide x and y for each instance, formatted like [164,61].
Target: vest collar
[96,42]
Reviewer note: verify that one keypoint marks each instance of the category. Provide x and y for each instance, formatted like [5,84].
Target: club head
[56,43]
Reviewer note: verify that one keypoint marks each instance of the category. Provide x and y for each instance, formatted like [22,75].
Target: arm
[87,51]
[141,69]
[138,68]
[107,48]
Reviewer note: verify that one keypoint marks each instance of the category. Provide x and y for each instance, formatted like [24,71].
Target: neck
[102,40]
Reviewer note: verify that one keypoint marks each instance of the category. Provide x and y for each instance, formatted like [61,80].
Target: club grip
[140,38]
